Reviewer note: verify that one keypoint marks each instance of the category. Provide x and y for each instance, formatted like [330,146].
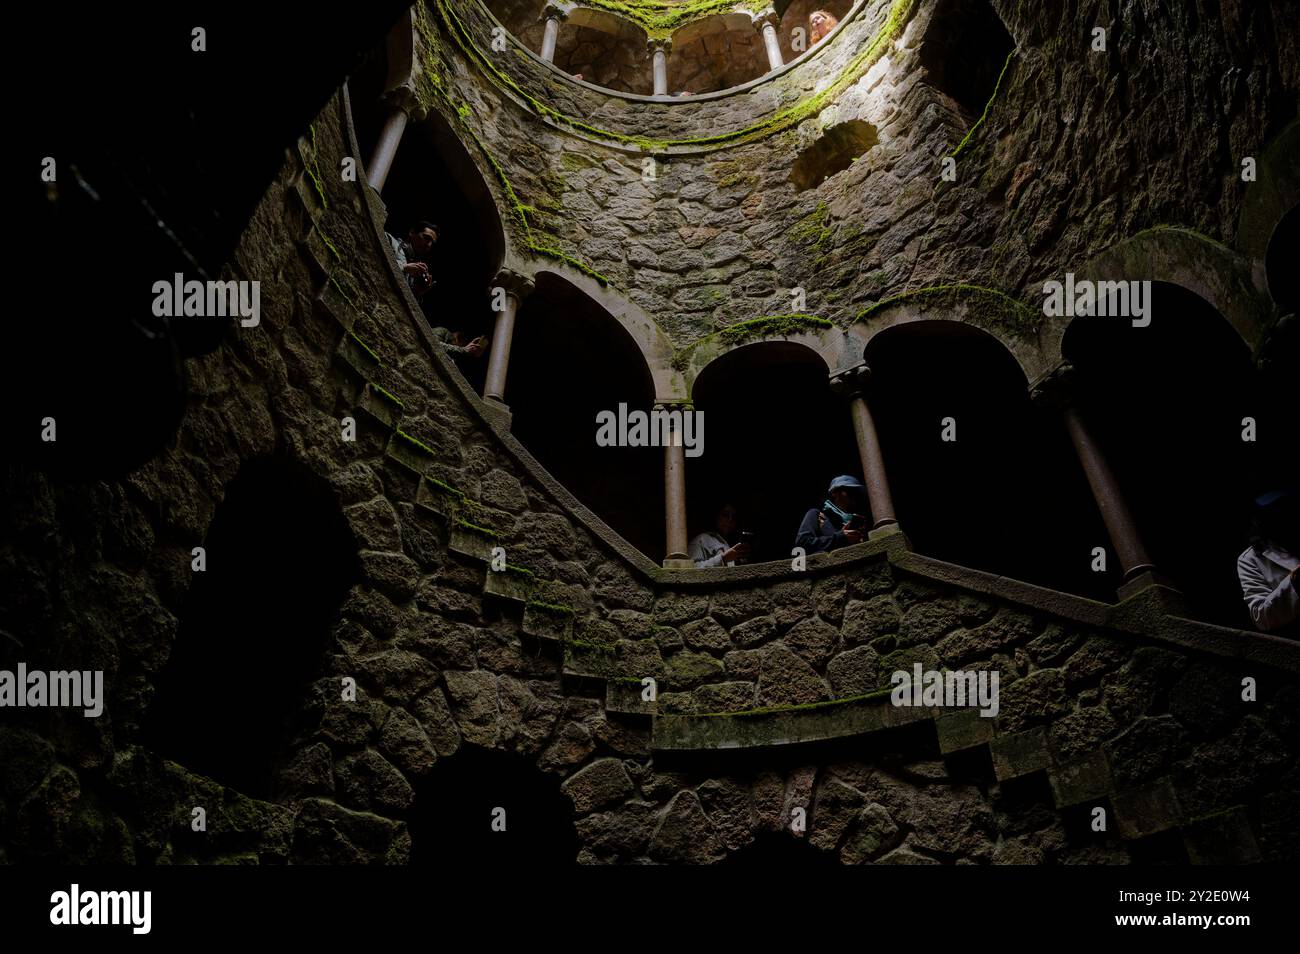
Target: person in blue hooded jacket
[838,522]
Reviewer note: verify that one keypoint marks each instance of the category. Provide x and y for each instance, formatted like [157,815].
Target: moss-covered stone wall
[766,678]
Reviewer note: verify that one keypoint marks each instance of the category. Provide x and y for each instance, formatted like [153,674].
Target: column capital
[654,46]
[1056,389]
[673,404]
[851,382]
[764,17]
[515,283]
[404,98]
[555,11]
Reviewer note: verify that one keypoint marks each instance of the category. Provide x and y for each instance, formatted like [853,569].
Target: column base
[676,563]
[884,530]
[498,412]
[1154,586]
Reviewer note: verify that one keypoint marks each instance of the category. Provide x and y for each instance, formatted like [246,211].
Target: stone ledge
[1146,811]
[1080,781]
[1224,838]
[764,728]
[512,584]
[379,405]
[965,729]
[1018,754]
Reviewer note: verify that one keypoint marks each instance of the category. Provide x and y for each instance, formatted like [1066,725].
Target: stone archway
[775,437]
[1167,404]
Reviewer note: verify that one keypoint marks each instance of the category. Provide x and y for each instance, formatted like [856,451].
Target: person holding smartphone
[837,523]
[412,256]
[714,547]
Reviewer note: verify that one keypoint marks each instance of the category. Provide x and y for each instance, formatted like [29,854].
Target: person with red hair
[820,23]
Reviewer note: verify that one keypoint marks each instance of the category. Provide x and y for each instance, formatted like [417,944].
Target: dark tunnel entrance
[1166,404]
[569,361]
[255,626]
[775,435]
[1007,495]
[456,805]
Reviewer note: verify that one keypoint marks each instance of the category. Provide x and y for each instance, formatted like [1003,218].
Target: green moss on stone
[559,256]
[812,228]
[987,106]
[661,18]
[988,307]
[446,488]
[366,348]
[312,168]
[474,527]
[387,395]
[897,19]
[769,326]
[416,442]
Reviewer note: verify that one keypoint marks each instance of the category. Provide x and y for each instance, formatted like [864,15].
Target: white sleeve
[1271,607]
[699,552]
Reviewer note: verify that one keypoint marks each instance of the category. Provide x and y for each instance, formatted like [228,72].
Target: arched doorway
[569,361]
[775,436]
[1166,403]
[714,54]
[980,476]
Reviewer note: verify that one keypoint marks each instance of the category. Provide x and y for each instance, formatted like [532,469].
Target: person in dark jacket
[833,525]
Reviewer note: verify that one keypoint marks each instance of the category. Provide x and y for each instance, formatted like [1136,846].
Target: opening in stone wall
[837,148]
[714,54]
[434,178]
[1166,404]
[775,436]
[571,360]
[255,625]
[963,52]
[795,17]
[1007,494]
[452,818]
[594,45]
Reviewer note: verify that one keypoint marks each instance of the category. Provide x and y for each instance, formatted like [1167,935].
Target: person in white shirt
[1268,568]
[713,548]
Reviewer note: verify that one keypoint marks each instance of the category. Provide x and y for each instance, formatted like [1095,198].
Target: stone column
[659,50]
[677,553]
[766,23]
[517,287]
[1058,391]
[852,384]
[390,137]
[554,16]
